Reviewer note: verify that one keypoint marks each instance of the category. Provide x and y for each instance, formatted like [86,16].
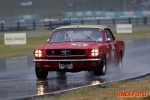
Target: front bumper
[67,64]
[59,60]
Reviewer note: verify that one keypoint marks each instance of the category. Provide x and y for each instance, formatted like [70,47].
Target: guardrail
[32,25]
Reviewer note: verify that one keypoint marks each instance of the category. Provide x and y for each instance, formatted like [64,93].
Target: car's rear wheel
[41,73]
[101,70]
[119,63]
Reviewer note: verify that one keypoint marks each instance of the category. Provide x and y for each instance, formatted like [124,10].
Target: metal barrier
[32,25]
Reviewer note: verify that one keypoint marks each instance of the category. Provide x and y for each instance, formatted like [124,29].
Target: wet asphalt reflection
[17,75]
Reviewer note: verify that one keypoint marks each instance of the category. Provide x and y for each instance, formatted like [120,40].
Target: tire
[101,70]
[41,73]
[119,62]
[61,73]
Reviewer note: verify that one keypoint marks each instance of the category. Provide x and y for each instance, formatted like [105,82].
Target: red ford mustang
[77,48]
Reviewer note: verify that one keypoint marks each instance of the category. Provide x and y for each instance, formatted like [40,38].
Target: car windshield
[77,34]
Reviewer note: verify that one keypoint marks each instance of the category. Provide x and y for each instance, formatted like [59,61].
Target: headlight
[94,52]
[38,53]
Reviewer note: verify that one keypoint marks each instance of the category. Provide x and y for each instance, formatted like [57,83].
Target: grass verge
[24,31]
[19,50]
[107,91]
[137,34]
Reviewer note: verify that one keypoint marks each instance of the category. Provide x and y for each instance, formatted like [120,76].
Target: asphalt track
[17,75]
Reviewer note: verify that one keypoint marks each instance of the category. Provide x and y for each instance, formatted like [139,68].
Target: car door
[112,44]
[108,48]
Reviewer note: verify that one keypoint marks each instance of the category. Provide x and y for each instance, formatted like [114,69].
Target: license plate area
[65,65]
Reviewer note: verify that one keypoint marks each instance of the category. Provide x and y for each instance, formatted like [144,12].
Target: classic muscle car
[77,48]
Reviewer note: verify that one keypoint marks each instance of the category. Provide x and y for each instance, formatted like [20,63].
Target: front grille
[65,52]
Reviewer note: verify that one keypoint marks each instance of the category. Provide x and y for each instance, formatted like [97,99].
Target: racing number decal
[112,51]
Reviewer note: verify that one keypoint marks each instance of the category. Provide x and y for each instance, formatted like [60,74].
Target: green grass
[24,31]
[137,34]
[19,50]
[133,26]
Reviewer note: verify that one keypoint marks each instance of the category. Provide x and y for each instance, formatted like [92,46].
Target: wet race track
[17,75]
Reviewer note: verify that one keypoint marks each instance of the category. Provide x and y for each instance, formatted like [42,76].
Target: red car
[77,48]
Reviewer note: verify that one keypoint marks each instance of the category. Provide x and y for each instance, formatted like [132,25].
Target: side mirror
[47,40]
[108,39]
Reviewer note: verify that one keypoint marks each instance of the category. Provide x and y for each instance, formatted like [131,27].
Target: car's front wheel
[61,73]
[41,73]
[101,70]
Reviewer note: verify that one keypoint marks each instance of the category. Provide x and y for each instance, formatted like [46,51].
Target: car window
[109,35]
[77,34]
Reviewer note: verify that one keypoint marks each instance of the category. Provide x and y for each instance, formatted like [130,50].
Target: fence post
[82,22]
[113,21]
[44,22]
[2,26]
[137,21]
[34,25]
[18,23]
[98,21]
[69,19]
[64,22]
[145,20]
[50,24]
[129,20]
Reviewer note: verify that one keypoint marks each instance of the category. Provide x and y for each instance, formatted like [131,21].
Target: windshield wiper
[88,36]
[68,36]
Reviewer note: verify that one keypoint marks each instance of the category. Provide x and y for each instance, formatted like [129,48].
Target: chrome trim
[65,52]
[48,60]
[64,56]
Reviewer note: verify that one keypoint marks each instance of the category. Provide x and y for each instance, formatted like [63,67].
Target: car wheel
[41,73]
[119,63]
[101,70]
[61,73]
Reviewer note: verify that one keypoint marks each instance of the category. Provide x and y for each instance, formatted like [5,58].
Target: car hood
[69,45]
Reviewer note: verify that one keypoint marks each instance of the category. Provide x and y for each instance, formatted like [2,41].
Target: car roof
[83,26]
